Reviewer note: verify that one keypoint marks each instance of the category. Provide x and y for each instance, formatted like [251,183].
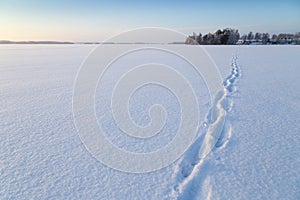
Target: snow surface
[257,155]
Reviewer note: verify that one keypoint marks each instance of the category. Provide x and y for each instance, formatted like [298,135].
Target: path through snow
[192,174]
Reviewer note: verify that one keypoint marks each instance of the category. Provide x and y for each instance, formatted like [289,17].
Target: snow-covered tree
[258,36]
[265,38]
[274,39]
[250,36]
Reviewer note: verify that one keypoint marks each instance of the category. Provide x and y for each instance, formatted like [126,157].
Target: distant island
[229,36]
[57,42]
[33,42]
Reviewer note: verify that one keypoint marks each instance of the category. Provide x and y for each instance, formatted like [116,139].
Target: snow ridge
[191,182]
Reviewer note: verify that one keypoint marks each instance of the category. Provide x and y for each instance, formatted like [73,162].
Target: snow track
[192,174]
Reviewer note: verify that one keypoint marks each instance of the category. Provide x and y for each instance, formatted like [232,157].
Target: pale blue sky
[93,20]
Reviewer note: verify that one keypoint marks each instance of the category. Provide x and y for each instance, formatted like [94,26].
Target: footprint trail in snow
[192,174]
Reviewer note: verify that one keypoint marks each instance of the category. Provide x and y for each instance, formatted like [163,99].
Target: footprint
[218,132]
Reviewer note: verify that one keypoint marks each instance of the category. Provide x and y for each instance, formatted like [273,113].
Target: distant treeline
[229,36]
[33,42]
[56,42]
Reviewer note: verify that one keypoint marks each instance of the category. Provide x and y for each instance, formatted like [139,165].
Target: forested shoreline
[229,36]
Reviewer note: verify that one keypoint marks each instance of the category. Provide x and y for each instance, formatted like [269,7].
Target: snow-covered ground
[257,155]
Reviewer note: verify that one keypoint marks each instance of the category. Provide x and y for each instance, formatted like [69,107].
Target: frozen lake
[257,155]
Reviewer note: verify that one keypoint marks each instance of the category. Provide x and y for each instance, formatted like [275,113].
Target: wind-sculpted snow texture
[253,125]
